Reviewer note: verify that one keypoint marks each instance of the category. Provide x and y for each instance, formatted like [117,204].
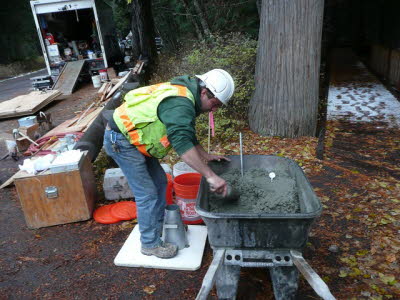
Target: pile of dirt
[258,193]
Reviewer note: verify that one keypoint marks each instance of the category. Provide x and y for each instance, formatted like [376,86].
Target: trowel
[231,194]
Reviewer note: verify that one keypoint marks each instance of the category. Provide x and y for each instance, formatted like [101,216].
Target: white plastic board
[188,259]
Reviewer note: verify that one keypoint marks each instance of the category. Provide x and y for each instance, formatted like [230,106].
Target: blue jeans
[148,182]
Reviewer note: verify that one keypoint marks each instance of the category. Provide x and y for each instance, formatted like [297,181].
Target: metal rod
[16,132]
[241,153]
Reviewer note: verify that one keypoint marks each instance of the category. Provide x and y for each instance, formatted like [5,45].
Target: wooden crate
[76,194]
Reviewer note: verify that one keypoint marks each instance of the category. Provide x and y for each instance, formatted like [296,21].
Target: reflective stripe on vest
[137,117]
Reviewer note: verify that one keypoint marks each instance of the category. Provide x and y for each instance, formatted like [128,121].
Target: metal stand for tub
[272,241]
[284,267]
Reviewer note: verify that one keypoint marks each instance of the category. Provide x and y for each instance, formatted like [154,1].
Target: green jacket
[179,116]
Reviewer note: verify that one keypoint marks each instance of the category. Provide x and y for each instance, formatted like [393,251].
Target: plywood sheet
[27,104]
[67,80]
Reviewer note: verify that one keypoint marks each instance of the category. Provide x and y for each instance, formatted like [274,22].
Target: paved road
[13,87]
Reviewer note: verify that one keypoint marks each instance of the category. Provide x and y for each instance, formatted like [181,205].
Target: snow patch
[363,102]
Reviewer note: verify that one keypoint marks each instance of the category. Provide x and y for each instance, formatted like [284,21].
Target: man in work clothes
[151,121]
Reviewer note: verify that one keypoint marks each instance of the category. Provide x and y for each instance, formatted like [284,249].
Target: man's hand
[218,185]
[211,157]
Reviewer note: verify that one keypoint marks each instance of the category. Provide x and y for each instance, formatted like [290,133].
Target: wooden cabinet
[51,199]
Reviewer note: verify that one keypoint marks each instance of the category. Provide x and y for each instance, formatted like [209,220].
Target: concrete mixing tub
[257,239]
[267,231]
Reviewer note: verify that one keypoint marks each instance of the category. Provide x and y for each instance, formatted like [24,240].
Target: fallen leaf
[342,274]
[391,258]
[150,289]
[387,279]
[26,258]
[362,252]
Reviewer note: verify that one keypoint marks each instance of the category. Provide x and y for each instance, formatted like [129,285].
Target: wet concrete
[258,193]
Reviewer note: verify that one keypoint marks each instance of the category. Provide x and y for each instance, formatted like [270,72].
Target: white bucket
[167,168]
[96,81]
[182,168]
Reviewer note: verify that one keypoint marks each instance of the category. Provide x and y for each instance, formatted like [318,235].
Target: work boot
[165,250]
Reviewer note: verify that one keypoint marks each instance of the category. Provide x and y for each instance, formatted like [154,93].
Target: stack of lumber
[27,104]
[77,124]
[109,88]
[118,85]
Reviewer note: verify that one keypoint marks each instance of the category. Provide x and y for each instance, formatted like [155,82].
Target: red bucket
[168,195]
[186,187]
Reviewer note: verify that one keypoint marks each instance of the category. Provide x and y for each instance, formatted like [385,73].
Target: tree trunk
[259,4]
[191,18]
[136,50]
[143,34]
[202,18]
[285,102]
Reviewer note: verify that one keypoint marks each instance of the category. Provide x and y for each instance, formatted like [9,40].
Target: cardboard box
[53,50]
[51,199]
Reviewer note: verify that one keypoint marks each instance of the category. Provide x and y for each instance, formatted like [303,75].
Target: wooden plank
[111,73]
[68,126]
[27,104]
[67,80]
[116,87]
[58,77]
[103,88]
[10,180]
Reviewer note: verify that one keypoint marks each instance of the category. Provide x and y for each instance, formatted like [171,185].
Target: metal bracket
[170,226]
[51,192]
[258,258]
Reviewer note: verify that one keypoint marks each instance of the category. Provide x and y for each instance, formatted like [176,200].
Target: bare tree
[202,17]
[285,102]
[192,19]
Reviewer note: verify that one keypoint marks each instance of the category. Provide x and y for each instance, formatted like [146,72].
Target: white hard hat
[220,83]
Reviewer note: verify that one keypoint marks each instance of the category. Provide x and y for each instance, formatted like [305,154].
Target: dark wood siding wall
[386,63]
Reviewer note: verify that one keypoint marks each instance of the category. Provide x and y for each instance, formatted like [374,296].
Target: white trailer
[68,21]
